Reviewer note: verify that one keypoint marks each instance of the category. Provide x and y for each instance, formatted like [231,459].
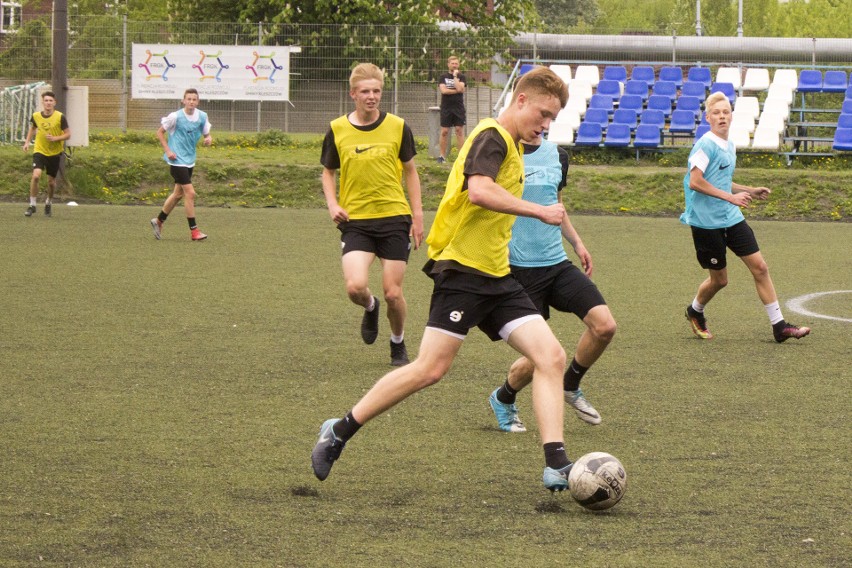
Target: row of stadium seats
[648,135]
[755,79]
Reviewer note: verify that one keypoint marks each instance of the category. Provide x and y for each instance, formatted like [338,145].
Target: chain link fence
[413,57]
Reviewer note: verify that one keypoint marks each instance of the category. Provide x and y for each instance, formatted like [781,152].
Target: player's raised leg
[437,351]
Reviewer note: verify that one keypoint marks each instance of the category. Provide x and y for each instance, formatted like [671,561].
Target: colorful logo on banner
[156,69]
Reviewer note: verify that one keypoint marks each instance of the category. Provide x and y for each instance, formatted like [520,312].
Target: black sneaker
[370,324]
[785,331]
[327,450]
[440,159]
[698,323]
[399,355]
[47,210]
[30,211]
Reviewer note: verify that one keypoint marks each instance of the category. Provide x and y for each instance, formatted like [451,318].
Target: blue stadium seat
[627,116]
[700,75]
[525,68]
[693,89]
[632,102]
[682,121]
[589,134]
[834,82]
[810,81]
[844,121]
[611,88]
[849,91]
[615,73]
[601,101]
[617,135]
[652,117]
[660,102]
[685,102]
[843,139]
[665,88]
[847,107]
[598,116]
[673,74]
[647,136]
[639,88]
[643,73]
[727,88]
[701,131]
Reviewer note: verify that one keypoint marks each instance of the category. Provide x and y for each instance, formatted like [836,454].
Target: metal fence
[413,57]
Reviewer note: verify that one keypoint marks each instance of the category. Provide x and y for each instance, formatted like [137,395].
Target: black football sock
[573,375]
[506,394]
[192,225]
[163,216]
[554,455]
[346,428]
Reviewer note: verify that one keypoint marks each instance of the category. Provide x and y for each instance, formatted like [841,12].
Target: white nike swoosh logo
[324,438]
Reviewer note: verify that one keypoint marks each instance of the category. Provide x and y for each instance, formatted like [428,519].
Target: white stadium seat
[756,79]
[786,77]
[588,73]
[743,120]
[766,138]
[729,75]
[748,105]
[563,71]
[739,136]
[580,88]
[569,116]
[576,103]
[560,133]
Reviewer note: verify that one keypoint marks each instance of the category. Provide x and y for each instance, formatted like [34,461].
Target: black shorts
[49,164]
[181,175]
[453,117]
[461,301]
[710,244]
[562,286]
[387,238]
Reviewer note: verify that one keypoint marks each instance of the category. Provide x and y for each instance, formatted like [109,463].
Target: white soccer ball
[597,481]
[71,204]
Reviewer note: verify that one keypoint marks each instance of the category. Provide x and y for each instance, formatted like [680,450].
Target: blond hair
[715,98]
[541,81]
[451,57]
[365,71]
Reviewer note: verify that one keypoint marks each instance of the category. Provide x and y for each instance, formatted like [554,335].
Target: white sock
[33,201]
[696,306]
[773,310]
[372,305]
[397,338]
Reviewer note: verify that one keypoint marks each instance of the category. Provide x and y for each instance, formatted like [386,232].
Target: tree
[561,16]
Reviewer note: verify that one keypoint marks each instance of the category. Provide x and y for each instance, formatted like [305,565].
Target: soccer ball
[597,481]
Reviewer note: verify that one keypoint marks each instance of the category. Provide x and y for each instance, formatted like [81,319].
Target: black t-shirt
[486,155]
[455,100]
[331,159]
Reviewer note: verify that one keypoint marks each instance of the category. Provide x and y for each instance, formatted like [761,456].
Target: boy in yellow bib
[469,262]
[373,150]
[51,131]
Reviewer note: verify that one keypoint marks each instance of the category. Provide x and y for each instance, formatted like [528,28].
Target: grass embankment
[273,169]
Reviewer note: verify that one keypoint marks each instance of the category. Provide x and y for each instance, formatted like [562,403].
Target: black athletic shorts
[461,301]
[453,116]
[387,238]
[710,244]
[562,286]
[49,164]
[181,175]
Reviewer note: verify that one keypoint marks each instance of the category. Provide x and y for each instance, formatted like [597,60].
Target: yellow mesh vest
[370,170]
[466,233]
[49,125]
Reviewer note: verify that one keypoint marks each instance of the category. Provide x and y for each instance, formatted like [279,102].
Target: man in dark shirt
[452,86]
